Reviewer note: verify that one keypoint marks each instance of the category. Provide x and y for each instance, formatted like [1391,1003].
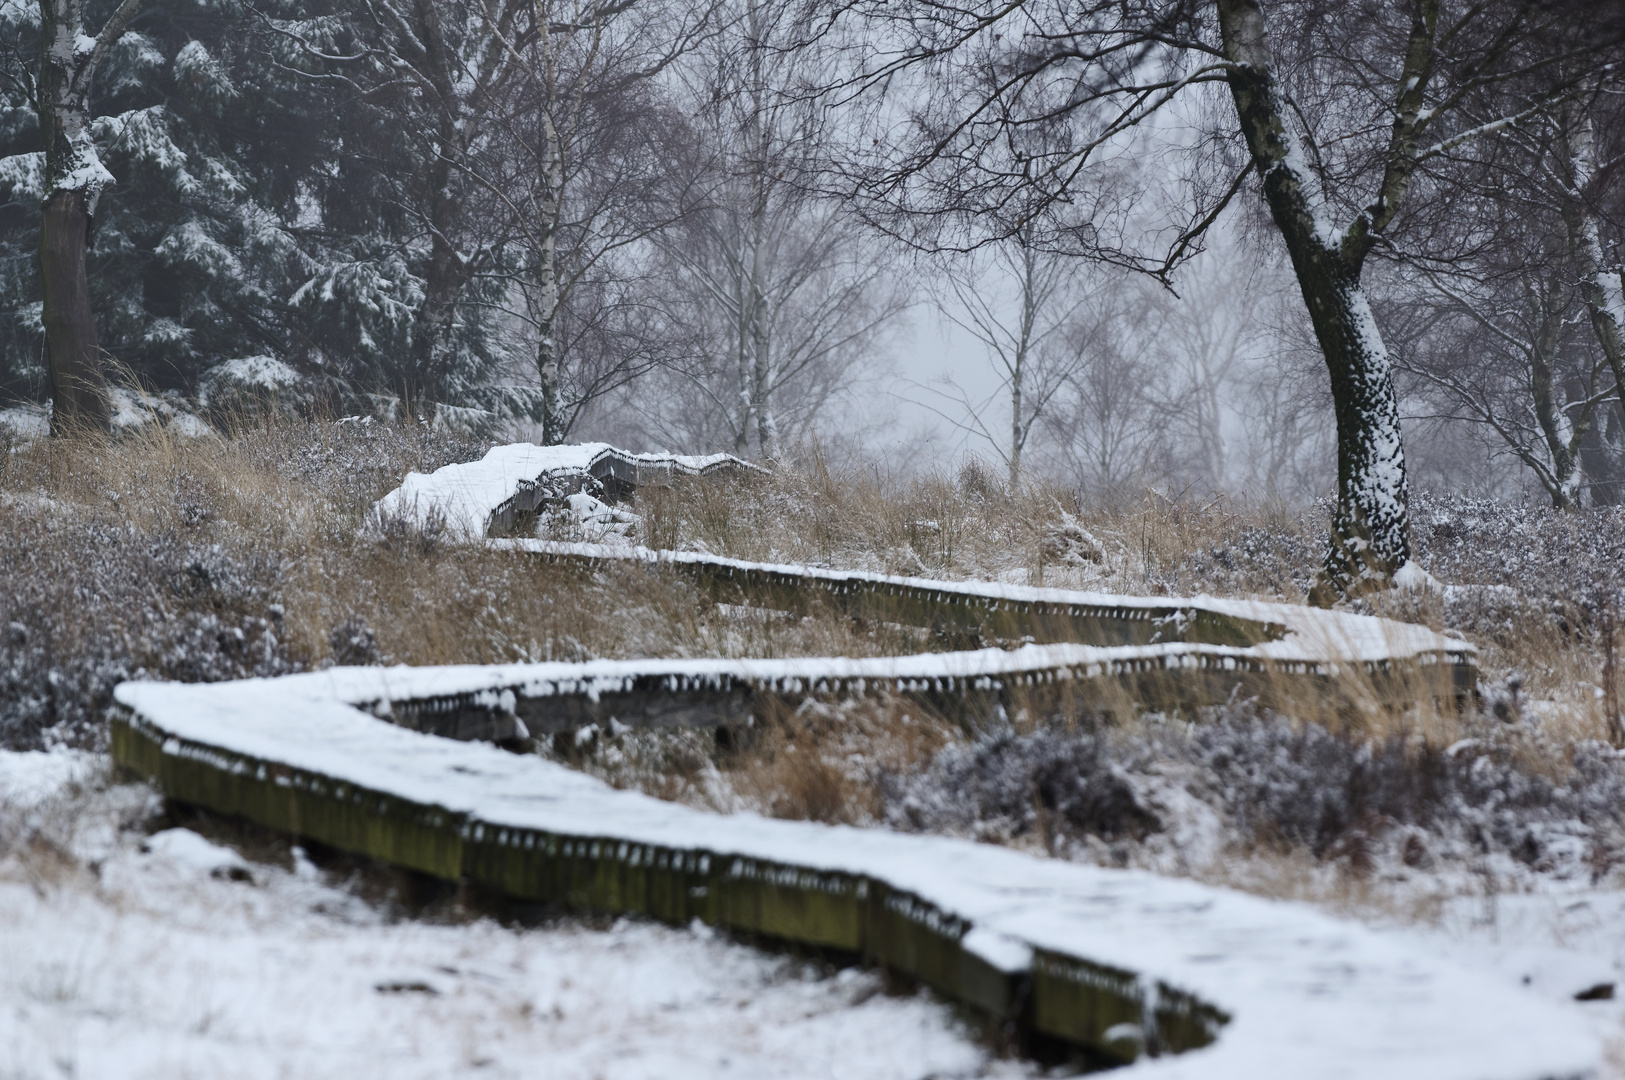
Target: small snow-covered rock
[185,850]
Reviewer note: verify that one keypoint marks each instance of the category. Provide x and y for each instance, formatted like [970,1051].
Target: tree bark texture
[1567,477]
[79,400]
[1602,286]
[1368,536]
[447,271]
[547,357]
[74,179]
[761,376]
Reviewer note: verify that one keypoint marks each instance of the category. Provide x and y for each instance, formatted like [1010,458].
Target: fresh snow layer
[1311,633]
[30,777]
[26,421]
[163,967]
[1309,995]
[464,495]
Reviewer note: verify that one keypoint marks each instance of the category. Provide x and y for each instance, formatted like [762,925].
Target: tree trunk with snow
[1602,286]
[547,359]
[547,273]
[761,376]
[1368,539]
[74,179]
[743,307]
[1563,437]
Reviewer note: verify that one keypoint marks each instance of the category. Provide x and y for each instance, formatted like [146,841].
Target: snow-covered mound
[1135,963]
[465,497]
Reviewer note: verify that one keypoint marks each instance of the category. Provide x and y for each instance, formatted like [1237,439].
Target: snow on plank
[499,702]
[1282,634]
[1183,979]
[471,498]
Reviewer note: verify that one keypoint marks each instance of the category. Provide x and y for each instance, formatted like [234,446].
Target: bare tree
[587,138]
[1020,302]
[1350,115]
[1203,343]
[784,288]
[1104,427]
[1499,348]
[1582,177]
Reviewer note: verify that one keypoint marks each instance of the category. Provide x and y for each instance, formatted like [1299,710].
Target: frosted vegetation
[160,557]
[1308,300]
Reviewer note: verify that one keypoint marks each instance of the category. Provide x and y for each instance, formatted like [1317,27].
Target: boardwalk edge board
[1400,662]
[1181,979]
[501,702]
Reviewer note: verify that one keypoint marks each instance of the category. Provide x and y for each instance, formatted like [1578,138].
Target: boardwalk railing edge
[1285,635]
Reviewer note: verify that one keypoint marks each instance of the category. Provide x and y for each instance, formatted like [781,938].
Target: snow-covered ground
[167,956]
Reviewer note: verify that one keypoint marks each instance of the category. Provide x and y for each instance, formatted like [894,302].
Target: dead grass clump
[967,524]
[153,556]
[822,761]
[1536,591]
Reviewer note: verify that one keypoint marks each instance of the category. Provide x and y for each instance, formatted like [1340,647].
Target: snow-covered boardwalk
[1186,979]
[1283,633]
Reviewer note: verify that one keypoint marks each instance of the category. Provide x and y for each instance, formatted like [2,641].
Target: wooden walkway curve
[1177,978]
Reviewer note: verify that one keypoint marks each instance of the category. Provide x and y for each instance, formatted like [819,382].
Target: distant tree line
[481,210]
[702,220]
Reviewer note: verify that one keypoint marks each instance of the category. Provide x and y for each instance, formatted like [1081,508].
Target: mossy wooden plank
[335,812]
[1080,1002]
[776,899]
[794,903]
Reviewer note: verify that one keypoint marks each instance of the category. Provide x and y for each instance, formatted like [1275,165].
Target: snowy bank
[472,497]
[1136,966]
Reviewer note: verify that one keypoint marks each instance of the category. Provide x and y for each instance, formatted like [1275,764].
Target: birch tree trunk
[767,428]
[1602,286]
[1030,303]
[547,359]
[1563,438]
[1368,536]
[74,180]
[547,272]
[744,297]
[761,390]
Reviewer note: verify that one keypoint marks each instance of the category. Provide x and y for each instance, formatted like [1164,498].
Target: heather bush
[1276,785]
